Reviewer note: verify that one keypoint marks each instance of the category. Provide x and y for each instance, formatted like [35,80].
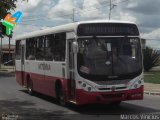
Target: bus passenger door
[22,62]
[71,79]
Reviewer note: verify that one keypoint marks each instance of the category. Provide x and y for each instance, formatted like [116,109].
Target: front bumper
[83,97]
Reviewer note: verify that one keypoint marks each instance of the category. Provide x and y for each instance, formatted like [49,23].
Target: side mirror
[75,47]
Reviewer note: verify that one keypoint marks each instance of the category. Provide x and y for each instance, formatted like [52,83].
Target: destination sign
[107,29]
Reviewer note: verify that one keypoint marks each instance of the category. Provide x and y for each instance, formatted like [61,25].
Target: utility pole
[10,36]
[1,54]
[110,9]
[9,49]
[73,15]
[1,36]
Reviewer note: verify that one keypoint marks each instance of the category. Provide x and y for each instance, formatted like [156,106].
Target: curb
[7,73]
[152,93]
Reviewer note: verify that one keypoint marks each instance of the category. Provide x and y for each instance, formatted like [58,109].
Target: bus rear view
[109,63]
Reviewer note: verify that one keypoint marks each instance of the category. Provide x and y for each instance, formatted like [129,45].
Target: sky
[41,14]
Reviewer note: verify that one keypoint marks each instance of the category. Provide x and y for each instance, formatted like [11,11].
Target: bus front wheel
[30,86]
[60,96]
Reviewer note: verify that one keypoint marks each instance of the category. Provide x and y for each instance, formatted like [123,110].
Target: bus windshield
[109,58]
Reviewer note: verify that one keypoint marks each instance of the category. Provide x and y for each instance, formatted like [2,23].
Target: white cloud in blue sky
[40,14]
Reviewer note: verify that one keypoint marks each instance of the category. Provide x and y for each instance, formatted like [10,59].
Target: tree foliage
[6,6]
[151,58]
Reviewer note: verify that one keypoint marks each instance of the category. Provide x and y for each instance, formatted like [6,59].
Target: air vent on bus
[117,88]
[112,95]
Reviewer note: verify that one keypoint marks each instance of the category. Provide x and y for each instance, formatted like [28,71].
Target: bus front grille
[117,88]
[112,96]
[112,82]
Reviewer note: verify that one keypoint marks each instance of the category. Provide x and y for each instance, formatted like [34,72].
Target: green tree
[6,6]
[151,58]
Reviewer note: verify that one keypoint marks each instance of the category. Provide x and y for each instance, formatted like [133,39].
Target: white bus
[83,62]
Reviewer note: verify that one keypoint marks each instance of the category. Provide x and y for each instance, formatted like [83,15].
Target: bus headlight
[89,88]
[137,84]
[86,87]
[139,81]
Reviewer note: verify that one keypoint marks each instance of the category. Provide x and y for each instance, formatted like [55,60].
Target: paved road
[15,99]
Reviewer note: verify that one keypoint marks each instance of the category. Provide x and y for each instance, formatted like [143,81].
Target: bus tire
[60,96]
[30,86]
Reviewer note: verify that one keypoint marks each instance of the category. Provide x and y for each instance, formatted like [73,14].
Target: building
[7,54]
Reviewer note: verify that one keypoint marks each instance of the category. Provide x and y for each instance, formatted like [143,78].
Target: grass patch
[152,77]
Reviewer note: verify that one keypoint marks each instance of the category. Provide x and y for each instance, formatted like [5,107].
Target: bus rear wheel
[30,86]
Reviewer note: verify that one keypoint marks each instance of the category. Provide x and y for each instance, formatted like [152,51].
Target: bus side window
[30,46]
[60,47]
[18,50]
[40,48]
[49,43]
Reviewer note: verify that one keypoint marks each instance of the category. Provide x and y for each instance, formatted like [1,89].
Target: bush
[151,58]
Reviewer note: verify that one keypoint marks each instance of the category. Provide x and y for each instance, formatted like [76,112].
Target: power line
[40,15]
[122,1]
[92,9]
[73,14]
[115,4]
[35,25]
[105,5]
[69,15]
[42,18]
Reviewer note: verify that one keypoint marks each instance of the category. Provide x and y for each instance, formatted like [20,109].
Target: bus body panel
[44,75]
[18,72]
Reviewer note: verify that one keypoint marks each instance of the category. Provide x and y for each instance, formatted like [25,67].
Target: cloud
[153,43]
[25,6]
[92,9]
[146,12]
[152,35]
[63,10]
[56,12]
[22,29]
[145,7]
[153,38]
[125,17]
